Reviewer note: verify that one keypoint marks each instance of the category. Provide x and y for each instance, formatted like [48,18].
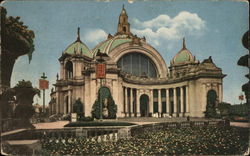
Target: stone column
[175,103]
[131,103]
[159,103]
[70,101]
[182,102]
[187,102]
[61,70]
[203,98]
[57,102]
[65,105]
[151,102]
[220,93]
[138,113]
[126,102]
[167,101]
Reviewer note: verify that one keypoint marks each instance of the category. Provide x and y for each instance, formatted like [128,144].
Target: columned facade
[140,82]
[132,104]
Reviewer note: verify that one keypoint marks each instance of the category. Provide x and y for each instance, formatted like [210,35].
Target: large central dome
[111,43]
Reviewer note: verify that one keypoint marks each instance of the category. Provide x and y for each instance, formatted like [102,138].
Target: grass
[97,123]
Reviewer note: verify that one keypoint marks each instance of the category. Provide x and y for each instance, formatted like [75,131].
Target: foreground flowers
[196,140]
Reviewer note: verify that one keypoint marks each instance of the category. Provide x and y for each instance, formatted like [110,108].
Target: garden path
[240,124]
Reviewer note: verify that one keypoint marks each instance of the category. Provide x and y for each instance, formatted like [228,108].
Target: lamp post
[101,72]
[43,84]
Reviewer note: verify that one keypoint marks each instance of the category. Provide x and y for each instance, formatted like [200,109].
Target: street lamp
[43,84]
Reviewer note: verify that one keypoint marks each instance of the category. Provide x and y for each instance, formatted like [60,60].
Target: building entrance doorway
[144,101]
[211,98]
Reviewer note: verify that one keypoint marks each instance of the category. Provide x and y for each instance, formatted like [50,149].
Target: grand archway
[211,98]
[211,104]
[144,102]
[104,106]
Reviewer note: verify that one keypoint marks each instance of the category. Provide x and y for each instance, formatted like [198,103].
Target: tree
[109,108]
[16,40]
[24,93]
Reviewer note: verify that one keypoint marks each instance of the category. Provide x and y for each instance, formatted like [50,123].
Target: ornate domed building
[136,77]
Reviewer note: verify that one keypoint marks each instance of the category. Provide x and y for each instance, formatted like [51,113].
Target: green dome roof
[183,56]
[78,48]
[111,43]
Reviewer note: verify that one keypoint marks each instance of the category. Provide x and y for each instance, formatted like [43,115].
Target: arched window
[124,29]
[137,64]
[69,70]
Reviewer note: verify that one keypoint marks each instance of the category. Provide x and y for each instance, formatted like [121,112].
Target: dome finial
[123,10]
[183,43]
[78,34]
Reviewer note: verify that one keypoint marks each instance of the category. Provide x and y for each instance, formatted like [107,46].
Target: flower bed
[199,140]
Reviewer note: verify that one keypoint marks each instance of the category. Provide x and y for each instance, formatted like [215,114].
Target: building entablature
[61,83]
[156,81]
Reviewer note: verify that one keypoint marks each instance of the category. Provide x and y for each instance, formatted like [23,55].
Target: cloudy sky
[211,28]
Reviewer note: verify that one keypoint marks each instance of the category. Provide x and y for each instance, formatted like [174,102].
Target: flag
[100,71]
[241,97]
[43,84]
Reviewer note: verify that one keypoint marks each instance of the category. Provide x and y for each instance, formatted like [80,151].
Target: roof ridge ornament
[184,44]
[78,34]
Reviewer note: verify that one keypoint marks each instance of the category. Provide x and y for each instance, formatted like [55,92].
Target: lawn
[196,140]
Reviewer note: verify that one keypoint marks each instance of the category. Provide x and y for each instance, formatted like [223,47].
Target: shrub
[88,118]
[97,123]
[24,111]
[112,109]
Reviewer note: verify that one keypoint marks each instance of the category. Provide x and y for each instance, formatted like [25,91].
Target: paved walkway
[51,125]
[240,124]
[12,132]
[139,121]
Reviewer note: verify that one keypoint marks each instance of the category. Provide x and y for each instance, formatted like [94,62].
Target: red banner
[100,71]
[43,84]
[241,97]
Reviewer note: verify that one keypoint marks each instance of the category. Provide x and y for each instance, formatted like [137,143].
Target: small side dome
[78,48]
[183,56]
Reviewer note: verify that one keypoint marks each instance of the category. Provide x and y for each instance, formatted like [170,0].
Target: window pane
[137,64]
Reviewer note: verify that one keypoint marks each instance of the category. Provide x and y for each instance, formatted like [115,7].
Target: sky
[211,28]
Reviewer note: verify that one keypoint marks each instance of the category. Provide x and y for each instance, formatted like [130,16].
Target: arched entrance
[144,101]
[211,104]
[104,106]
[211,98]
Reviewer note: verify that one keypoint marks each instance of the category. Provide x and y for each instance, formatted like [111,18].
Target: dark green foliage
[97,123]
[239,110]
[210,112]
[104,94]
[5,98]
[24,111]
[26,85]
[96,110]
[224,109]
[210,107]
[16,33]
[86,118]
[112,108]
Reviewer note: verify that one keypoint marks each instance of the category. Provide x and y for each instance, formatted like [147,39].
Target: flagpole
[43,77]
